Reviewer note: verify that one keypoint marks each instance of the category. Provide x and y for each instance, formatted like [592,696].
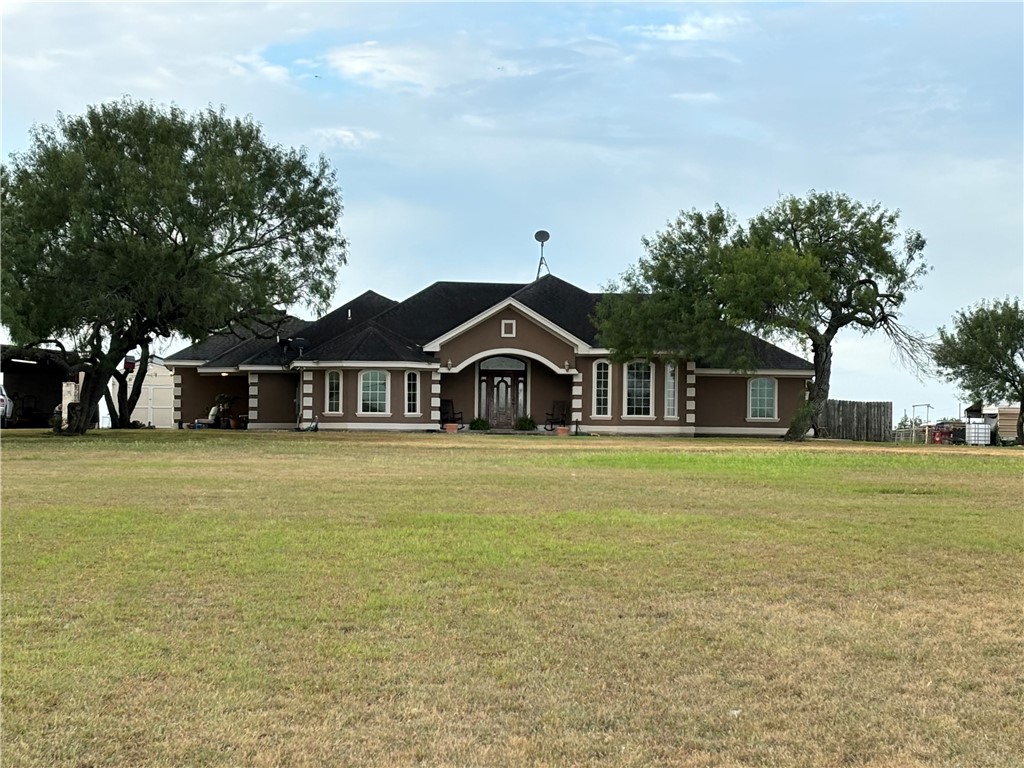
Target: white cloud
[349,138]
[256,64]
[695,27]
[420,68]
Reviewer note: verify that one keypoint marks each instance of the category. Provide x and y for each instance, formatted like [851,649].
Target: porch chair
[449,415]
[557,417]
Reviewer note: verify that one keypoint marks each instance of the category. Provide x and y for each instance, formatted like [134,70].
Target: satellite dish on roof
[542,236]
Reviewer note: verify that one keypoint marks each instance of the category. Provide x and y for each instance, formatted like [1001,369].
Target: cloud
[256,64]
[695,27]
[349,138]
[419,67]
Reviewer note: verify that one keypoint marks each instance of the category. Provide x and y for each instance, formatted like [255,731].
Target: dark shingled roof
[563,304]
[220,344]
[374,328]
[443,306]
[370,342]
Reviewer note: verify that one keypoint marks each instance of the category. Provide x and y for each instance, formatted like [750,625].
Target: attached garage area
[34,380]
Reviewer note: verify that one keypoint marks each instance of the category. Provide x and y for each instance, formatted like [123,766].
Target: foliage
[984,353]
[481,425]
[906,422]
[802,270]
[133,222]
[526,424]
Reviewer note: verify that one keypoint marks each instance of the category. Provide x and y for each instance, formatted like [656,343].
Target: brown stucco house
[497,351]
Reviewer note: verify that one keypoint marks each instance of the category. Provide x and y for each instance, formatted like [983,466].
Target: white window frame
[608,383]
[327,392]
[508,329]
[419,395]
[775,399]
[387,394]
[650,384]
[671,390]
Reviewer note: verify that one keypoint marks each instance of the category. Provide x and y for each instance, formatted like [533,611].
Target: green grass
[225,599]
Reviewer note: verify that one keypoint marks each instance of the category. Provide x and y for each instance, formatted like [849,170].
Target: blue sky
[459,129]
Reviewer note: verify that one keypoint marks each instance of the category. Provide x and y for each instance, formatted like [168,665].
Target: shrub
[526,424]
[480,424]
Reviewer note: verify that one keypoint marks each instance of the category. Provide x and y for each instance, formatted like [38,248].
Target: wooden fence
[855,420]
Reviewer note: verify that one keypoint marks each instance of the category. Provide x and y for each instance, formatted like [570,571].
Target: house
[498,351]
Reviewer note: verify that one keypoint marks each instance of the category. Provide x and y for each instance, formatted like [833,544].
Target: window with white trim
[373,392]
[602,388]
[333,403]
[412,393]
[671,391]
[638,400]
[762,399]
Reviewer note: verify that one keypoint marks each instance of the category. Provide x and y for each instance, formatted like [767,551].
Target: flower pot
[561,431]
[451,429]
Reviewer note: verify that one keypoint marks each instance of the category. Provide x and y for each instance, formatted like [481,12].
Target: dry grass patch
[310,599]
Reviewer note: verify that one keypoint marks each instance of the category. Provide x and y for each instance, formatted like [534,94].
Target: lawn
[295,599]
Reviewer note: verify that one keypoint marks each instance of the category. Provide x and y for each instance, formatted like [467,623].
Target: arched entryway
[502,389]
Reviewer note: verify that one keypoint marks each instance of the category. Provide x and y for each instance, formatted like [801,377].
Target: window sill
[364,415]
[767,421]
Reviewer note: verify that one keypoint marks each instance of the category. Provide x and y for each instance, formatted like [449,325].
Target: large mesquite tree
[133,222]
[803,269]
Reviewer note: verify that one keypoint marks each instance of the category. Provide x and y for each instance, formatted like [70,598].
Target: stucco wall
[487,336]
[722,401]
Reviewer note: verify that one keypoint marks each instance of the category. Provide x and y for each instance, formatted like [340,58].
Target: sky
[458,130]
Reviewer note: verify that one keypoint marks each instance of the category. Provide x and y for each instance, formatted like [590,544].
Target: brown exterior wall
[487,335]
[546,386]
[722,401]
[277,397]
[616,419]
[350,398]
[460,389]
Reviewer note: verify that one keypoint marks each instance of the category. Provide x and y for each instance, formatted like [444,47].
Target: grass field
[237,599]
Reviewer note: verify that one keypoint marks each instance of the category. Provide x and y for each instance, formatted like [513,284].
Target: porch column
[691,392]
[254,397]
[435,396]
[577,397]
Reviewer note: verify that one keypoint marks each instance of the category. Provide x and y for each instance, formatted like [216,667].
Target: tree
[133,222]
[803,269]
[984,354]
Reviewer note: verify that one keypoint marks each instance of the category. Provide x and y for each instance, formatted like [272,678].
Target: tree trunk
[97,379]
[89,397]
[807,416]
[1020,424]
[121,413]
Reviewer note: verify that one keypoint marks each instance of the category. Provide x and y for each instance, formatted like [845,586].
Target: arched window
[333,404]
[602,389]
[373,392]
[762,399]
